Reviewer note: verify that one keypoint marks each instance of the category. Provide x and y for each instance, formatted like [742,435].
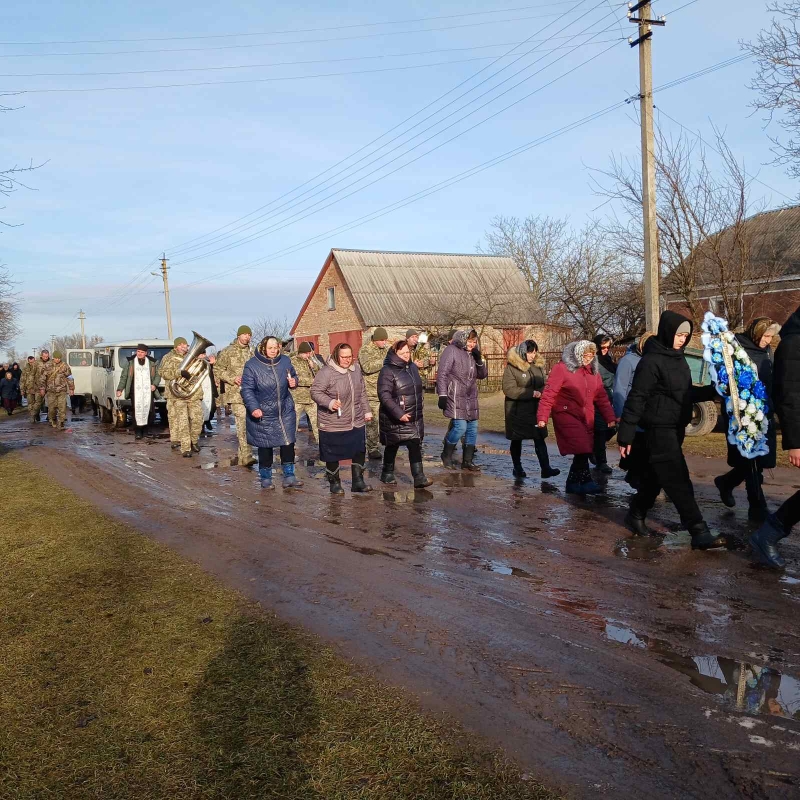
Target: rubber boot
[357,472]
[544,459]
[289,479]
[266,477]
[420,479]
[467,462]
[334,480]
[518,472]
[387,473]
[635,522]
[704,539]
[725,491]
[763,542]
[447,456]
[587,485]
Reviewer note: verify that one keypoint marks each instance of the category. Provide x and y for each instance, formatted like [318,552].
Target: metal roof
[434,288]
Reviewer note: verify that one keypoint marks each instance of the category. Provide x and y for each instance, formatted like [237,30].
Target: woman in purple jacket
[461,366]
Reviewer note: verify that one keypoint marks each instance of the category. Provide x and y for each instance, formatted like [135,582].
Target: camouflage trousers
[373,433]
[57,408]
[310,410]
[186,421]
[245,454]
[35,403]
[174,438]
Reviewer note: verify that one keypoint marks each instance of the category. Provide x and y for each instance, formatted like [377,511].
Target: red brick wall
[778,305]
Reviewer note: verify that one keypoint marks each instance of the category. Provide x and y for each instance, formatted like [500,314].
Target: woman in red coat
[573,388]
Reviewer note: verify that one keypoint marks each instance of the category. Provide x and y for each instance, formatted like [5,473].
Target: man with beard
[138,384]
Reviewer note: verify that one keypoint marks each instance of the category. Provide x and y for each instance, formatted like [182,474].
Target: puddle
[366,551]
[505,569]
[788,579]
[210,465]
[750,688]
[408,496]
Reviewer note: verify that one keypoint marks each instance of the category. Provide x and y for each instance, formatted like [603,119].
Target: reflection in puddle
[750,688]
[408,496]
[505,569]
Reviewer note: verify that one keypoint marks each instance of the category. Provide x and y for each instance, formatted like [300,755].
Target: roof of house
[391,288]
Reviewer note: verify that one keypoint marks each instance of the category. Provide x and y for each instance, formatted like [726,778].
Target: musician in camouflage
[229,369]
[185,415]
[28,386]
[55,382]
[370,359]
[306,366]
[420,354]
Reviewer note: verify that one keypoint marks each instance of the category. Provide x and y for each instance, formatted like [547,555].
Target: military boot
[357,472]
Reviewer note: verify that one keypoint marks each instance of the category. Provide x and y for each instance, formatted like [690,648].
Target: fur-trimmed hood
[516,360]
[572,356]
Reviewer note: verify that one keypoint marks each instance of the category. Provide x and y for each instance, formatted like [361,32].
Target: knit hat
[380,335]
[141,346]
[411,332]
[243,329]
[305,347]
[684,327]
[179,340]
[57,354]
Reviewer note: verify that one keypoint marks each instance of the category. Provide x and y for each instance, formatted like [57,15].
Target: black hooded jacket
[786,382]
[400,381]
[662,393]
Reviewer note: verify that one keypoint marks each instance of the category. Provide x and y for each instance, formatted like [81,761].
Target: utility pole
[651,260]
[82,318]
[52,343]
[164,269]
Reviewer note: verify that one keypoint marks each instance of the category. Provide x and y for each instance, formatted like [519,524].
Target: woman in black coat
[400,419]
[756,341]
[9,391]
[523,382]
[660,402]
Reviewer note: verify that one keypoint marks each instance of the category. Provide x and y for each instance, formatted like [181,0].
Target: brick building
[768,246]
[357,291]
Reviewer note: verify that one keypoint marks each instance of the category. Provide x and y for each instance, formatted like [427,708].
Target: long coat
[571,392]
[265,385]
[786,382]
[520,381]
[400,381]
[9,388]
[125,384]
[346,385]
[457,380]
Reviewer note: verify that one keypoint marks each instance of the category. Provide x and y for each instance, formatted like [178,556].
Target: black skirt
[342,445]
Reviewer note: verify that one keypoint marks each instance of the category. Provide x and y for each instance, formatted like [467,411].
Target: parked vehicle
[704,415]
[80,361]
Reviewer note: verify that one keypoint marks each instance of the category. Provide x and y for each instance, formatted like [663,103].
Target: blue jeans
[460,427]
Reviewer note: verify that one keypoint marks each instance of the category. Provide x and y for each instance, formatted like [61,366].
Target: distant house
[359,290]
[763,254]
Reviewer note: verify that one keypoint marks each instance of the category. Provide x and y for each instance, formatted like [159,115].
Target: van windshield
[124,353]
[80,358]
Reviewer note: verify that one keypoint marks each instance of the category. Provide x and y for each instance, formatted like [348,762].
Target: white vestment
[208,397]
[142,397]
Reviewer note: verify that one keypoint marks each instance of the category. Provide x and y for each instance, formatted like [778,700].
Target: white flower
[759,416]
[745,421]
[752,428]
[706,339]
[751,409]
[727,336]
[742,404]
[740,354]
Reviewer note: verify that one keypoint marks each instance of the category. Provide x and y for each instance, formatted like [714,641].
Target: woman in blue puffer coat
[271,418]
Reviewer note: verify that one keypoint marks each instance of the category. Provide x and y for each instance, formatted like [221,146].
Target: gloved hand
[476,354]
[443,402]
[186,375]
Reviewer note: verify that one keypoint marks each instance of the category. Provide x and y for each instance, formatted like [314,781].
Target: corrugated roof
[434,288]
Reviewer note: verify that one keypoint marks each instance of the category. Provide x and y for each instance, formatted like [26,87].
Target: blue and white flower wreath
[745,396]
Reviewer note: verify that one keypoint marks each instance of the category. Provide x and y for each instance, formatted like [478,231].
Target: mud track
[605,665]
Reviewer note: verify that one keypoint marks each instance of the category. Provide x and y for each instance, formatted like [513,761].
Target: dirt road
[607,666]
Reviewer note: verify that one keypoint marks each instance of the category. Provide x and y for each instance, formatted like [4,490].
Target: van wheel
[704,419]
[105,414]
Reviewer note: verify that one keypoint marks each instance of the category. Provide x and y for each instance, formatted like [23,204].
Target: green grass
[126,672]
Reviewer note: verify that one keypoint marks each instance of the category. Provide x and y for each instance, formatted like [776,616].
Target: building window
[332,298]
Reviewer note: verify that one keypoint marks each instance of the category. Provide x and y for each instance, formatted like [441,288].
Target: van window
[80,358]
[154,352]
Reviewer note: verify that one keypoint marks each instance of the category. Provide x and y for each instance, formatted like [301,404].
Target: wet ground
[606,665]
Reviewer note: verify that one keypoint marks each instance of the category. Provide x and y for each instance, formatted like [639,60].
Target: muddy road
[605,665]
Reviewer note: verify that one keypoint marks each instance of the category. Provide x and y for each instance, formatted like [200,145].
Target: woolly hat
[305,347]
[379,335]
[144,347]
[243,329]
[411,332]
[57,354]
[179,340]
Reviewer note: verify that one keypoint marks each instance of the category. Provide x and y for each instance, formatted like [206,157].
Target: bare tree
[777,55]
[279,327]
[71,341]
[11,177]
[8,309]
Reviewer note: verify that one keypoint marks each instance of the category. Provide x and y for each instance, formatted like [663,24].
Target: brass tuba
[194,365]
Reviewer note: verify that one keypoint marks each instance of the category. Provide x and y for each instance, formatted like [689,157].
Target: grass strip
[126,672]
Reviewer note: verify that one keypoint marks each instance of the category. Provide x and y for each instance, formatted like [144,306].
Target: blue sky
[132,173]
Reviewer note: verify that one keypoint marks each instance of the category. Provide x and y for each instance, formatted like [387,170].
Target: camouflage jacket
[306,369]
[56,377]
[370,359]
[170,368]
[229,366]
[422,353]
[27,381]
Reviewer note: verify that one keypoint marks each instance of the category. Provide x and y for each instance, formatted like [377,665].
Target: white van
[108,362]
[80,362]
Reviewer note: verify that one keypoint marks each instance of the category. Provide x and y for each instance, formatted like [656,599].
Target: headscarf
[606,359]
[758,327]
[337,352]
[572,354]
[262,345]
[460,339]
[523,348]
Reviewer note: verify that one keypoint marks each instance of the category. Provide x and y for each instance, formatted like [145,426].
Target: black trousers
[601,438]
[751,474]
[664,467]
[789,512]
[414,451]
[266,455]
[539,446]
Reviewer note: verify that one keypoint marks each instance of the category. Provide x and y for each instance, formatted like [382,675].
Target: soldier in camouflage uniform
[229,369]
[33,385]
[185,415]
[306,366]
[55,381]
[371,358]
[420,355]
[27,387]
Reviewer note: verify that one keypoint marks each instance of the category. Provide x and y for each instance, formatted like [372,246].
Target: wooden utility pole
[52,343]
[164,269]
[82,318]
[651,260]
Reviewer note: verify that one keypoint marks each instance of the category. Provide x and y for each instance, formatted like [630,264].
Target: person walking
[756,341]
[306,365]
[27,386]
[54,384]
[523,384]
[460,368]
[16,374]
[9,392]
[185,414]
[786,399]
[420,353]
[33,385]
[573,389]
[228,369]
[660,403]
[607,368]
[343,411]
[402,400]
[370,359]
[137,383]
[271,418]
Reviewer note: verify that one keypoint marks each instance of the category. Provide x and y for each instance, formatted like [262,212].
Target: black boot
[703,539]
[763,542]
[518,472]
[139,433]
[175,446]
[387,474]
[466,462]
[757,510]
[635,521]
[447,456]
[357,472]
[334,480]
[725,491]
[420,479]
[540,447]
